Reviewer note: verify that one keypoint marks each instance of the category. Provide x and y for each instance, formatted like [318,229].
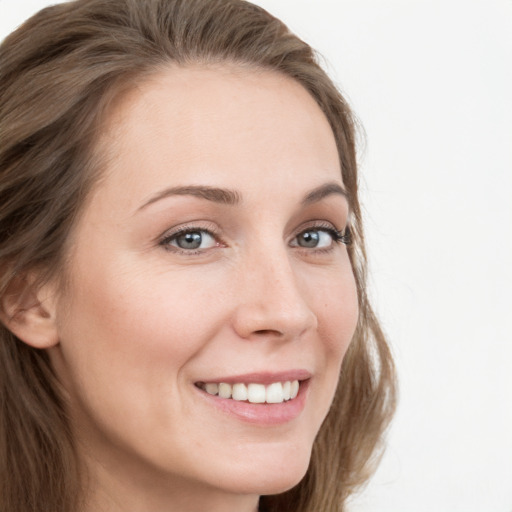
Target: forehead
[220,125]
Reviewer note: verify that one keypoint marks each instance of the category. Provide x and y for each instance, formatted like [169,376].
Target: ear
[29,311]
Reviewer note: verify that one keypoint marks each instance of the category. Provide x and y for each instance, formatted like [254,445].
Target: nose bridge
[271,299]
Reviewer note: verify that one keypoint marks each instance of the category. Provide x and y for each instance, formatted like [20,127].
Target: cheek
[125,347]
[133,330]
[142,318]
[337,312]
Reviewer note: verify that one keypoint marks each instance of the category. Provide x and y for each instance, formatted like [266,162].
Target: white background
[431,81]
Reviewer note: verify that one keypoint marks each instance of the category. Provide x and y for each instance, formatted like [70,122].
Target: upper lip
[264,377]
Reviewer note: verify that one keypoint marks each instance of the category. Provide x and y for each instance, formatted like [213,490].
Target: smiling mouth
[254,393]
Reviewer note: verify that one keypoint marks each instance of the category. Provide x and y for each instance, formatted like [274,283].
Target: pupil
[190,240]
[310,239]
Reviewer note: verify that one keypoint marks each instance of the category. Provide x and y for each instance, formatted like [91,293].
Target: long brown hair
[60,74]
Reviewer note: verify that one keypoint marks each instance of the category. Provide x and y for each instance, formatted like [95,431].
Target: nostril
[268,332]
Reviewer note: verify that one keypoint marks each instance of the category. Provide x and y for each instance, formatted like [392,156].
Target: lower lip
[261,414]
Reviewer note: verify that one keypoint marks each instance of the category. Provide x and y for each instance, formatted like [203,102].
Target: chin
[283,482]
[268,475]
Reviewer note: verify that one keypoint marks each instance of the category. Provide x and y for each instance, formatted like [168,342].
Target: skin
[141,321]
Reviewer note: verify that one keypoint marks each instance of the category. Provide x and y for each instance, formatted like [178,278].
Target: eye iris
[190,240]
[309,239]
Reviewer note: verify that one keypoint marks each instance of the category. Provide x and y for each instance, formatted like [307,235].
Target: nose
[271,300]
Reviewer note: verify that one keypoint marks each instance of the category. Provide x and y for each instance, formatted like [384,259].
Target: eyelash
[337,237]
[168,238]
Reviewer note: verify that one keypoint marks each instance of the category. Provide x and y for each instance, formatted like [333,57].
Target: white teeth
[256,393]
[294,389]
[239,392]
[212,388]
[274,393]
[224,390]
[287,386]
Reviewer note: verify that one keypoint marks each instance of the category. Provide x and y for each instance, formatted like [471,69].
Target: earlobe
[29,312]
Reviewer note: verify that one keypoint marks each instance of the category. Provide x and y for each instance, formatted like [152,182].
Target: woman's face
[208,257]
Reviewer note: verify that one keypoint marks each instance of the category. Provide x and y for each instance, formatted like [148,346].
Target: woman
[185,323]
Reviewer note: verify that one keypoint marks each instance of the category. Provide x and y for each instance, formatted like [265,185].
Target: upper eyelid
[333,232]
[317,224]
[196,226]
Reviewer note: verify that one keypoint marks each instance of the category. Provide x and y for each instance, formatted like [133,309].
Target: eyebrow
[323,191]
[232,197]
[214,194]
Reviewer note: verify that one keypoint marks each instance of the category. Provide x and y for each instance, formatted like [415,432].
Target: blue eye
[319,238]
[191,240]
[315,239]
